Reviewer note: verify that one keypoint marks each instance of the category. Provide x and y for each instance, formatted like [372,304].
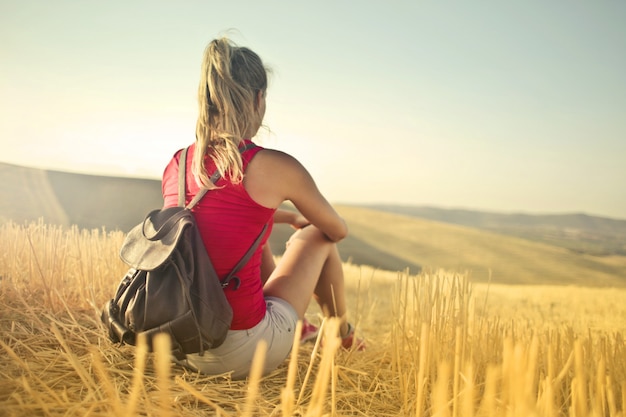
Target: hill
[486,255]
[575,231]
[378,238]
[88,201]
[92,201]
[26,195]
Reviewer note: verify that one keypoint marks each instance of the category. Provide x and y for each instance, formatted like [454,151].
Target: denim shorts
[235,355]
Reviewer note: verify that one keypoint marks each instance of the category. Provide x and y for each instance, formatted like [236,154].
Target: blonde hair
[230,81]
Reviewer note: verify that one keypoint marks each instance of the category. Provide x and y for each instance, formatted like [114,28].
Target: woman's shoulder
[272,176]
[275,159]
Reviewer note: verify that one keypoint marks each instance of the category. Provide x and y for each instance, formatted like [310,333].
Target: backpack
[171,286]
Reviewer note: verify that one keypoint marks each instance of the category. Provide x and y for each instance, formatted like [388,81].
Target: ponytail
[230,81]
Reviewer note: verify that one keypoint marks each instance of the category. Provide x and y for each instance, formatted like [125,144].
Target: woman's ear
[260,95]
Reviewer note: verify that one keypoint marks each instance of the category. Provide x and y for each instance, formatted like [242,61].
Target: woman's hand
[300,222]
[293,218]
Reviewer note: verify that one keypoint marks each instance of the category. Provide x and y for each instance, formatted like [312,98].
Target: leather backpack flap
[149,244]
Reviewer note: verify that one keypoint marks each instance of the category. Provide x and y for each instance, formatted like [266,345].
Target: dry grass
[435,348]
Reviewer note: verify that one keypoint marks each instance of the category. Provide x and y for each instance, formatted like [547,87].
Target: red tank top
[229,221]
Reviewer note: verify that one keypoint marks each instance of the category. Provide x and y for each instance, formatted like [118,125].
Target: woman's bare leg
[310,266]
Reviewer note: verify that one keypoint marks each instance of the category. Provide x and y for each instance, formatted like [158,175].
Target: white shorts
[235,355]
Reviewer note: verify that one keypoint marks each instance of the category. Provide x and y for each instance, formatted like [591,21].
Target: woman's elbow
[339,233]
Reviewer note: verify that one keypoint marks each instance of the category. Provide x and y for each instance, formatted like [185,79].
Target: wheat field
[437,345]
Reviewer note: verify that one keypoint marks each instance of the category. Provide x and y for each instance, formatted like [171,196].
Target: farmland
[439,343]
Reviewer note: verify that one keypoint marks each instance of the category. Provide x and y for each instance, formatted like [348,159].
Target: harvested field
[437,346]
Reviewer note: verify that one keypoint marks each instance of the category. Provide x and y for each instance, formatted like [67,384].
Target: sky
[484,105]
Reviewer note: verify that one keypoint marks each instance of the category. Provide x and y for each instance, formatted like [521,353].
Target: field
[486,256]
[439,344]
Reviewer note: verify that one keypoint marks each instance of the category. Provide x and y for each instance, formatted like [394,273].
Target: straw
[436,345]
[256,371]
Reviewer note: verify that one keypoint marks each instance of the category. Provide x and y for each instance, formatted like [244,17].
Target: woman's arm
[293,218]
[273,177]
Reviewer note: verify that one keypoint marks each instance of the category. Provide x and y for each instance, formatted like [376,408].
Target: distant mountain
[485,255]
[513,249]
[88,201]
[116,203]
[92,201]
[576,231]
[27,195]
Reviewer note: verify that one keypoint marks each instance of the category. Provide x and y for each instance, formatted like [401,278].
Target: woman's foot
[350,342]
[309,331]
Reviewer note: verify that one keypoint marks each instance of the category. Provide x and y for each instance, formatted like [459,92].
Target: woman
[254,183]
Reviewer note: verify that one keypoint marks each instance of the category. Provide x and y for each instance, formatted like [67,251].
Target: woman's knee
[310,236]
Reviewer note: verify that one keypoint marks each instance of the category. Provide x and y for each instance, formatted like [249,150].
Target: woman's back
[229,222]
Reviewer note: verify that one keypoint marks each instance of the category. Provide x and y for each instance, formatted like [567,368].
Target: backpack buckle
[226,283]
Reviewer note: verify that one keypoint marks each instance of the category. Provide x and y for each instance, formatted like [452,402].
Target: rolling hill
[578,232]
[378,237]
[88,201]
[26,195]
[486,255]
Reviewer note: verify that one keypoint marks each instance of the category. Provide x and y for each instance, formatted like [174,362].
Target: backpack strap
[182,162]
[247,146]
[182,176]
[244,260]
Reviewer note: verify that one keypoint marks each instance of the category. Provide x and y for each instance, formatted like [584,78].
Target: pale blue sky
[481,105]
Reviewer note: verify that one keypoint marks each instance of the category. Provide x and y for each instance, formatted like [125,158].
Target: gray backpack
[171,286]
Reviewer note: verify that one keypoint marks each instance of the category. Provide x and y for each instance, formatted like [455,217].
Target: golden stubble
[437,345]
